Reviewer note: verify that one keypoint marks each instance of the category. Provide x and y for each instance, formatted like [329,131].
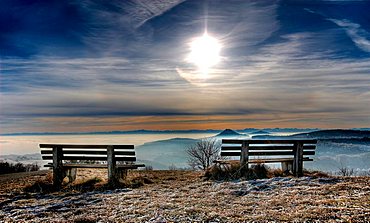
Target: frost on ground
[182,196]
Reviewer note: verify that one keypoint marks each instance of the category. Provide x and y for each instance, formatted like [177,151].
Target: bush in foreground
[233,171]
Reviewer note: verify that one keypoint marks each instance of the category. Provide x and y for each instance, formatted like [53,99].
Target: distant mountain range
[143,131]
[335,133]
[324,134]
[335,148]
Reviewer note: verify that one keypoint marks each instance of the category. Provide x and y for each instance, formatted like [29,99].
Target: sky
[95,65]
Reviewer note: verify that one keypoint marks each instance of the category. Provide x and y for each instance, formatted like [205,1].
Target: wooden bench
[290,153]
[67,158]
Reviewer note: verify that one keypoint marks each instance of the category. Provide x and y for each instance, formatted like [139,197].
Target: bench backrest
[89,152]
[277,147]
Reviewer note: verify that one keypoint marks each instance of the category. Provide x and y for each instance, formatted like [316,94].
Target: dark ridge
[260,132]
[228,132]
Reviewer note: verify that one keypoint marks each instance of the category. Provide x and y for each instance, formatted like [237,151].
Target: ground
[184,196]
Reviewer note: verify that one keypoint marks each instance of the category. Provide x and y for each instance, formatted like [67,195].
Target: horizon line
[168,131]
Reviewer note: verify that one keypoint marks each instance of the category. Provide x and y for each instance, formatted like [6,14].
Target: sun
[204,52]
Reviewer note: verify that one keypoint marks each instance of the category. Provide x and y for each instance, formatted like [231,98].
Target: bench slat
[305,147]
[266,141]
[91,152]
[104,158]
[265,153]
[76,146]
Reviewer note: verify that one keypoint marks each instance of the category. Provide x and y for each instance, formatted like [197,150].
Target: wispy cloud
[358,35]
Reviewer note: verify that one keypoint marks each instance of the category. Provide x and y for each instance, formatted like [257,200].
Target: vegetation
[346,171]
[233,171]
[203,153]
[6,167]
[148,167]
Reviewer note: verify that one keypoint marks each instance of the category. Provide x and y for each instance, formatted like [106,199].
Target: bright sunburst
[205,52]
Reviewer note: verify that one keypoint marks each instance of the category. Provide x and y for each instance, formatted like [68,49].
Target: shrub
[233,171]
[172,167]
[87,185]
[346,171]
[259,171]
[316,174]
[224,172]
[44,185]
[6,167]
[40,186]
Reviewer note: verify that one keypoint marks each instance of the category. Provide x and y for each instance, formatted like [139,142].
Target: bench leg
[287,166]
[58,177]
[58,173]
[113,178]
[117,176]
[71,173]
[298,160]
[122,174]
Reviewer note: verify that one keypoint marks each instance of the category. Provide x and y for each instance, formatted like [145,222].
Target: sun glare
[205,52]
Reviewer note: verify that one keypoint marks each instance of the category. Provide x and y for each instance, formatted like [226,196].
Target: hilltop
[228,132]
[183,196]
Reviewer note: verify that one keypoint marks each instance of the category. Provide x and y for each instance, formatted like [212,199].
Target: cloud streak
[358,35]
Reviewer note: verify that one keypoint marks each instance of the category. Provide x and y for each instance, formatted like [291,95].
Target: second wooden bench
[290,153]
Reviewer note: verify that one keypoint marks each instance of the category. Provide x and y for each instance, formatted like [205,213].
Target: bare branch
[203,153]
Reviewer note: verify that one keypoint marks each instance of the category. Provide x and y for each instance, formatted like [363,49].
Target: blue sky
[116,65]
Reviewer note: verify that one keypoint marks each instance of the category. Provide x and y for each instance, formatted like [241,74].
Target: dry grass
[184,196]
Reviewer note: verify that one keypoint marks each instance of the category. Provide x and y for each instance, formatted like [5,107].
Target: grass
[140,178]
[184,196]
[83,183]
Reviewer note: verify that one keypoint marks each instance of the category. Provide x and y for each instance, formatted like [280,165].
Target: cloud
[358,35]
[281,82]
[114,27]
[134,74]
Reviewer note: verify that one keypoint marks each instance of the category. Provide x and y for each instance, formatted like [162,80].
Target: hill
[164,153]
[228,132]
[260,132]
